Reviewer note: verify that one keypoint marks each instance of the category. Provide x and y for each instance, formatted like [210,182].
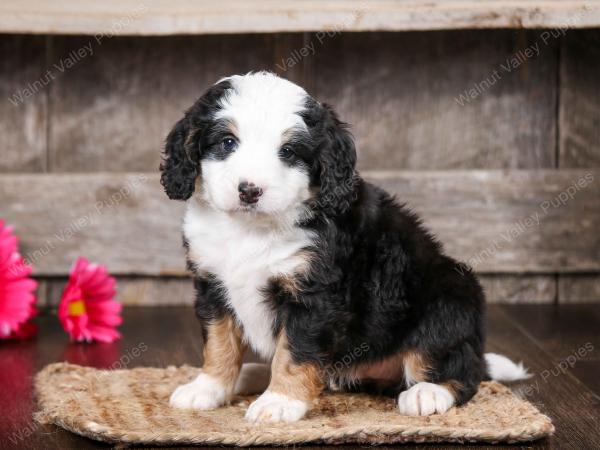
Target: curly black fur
[180,165]
[333,170]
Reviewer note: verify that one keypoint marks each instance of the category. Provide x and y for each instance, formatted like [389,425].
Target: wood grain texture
[23,109]
[582,288]
[123,221]
[587,372]
[405,115]
[113,109]
[165,336]
[499,222]
[132,291]
[41,293]
[513,221]
[169,291]
[507,288]
[559,393]
[291,59]
[569,333]
[402,95]
[579,113]
[162,17]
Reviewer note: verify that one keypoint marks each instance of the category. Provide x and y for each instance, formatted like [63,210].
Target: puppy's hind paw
[424,399]
[205,392]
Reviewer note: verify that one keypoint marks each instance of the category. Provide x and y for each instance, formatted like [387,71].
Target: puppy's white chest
[244,257]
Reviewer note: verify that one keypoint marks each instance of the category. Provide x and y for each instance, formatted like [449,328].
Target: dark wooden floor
[561,346]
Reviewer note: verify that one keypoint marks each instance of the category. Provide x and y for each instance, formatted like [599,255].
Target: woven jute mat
[131,407]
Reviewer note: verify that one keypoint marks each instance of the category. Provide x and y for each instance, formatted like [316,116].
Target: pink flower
[87,310]
[17,300]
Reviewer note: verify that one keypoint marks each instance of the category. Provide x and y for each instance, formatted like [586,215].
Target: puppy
[319,272]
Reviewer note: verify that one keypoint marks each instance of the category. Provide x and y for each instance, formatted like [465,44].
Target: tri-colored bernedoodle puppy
[322,274]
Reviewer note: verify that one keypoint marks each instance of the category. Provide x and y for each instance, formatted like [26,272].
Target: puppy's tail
[500,368]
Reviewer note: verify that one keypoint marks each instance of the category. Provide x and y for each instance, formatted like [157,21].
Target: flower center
[77,308]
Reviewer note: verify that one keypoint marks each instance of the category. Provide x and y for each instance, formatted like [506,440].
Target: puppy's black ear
[181,160]
[179,168]
[337,161]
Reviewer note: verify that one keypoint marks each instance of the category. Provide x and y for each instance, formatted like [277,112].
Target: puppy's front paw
[273,407]
[424,399]
[205,392]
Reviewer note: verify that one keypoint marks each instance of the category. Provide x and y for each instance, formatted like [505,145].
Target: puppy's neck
[280,223]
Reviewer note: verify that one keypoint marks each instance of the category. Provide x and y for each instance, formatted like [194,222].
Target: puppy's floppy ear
[179,167]
[181,162]
[337,161]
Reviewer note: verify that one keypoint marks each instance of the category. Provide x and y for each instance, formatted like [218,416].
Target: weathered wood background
[508,176]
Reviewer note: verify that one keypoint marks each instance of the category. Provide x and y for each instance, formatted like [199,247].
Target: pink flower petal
[87,309]
[23,285]
[111,306]
[108,320]
[104,334]
[17,301]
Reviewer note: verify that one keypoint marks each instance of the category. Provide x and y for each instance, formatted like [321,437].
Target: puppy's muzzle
[249,192]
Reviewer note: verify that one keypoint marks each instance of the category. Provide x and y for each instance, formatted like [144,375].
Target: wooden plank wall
[83,120]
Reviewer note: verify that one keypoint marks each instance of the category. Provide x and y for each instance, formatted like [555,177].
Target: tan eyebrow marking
[289,133]
[232,125]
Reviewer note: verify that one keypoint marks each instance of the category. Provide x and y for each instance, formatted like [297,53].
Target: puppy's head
[260,143]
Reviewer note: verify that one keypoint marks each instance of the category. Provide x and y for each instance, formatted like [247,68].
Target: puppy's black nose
[249,192]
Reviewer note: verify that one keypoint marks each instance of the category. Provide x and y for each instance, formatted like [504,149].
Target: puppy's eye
[286,152]
[229,144]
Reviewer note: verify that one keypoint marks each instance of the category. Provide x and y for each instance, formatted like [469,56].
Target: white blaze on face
[263,109]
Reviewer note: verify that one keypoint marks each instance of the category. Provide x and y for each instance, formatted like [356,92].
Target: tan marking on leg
[415,367]
[299,381]
[389,369]
[410,366]
[223,351]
